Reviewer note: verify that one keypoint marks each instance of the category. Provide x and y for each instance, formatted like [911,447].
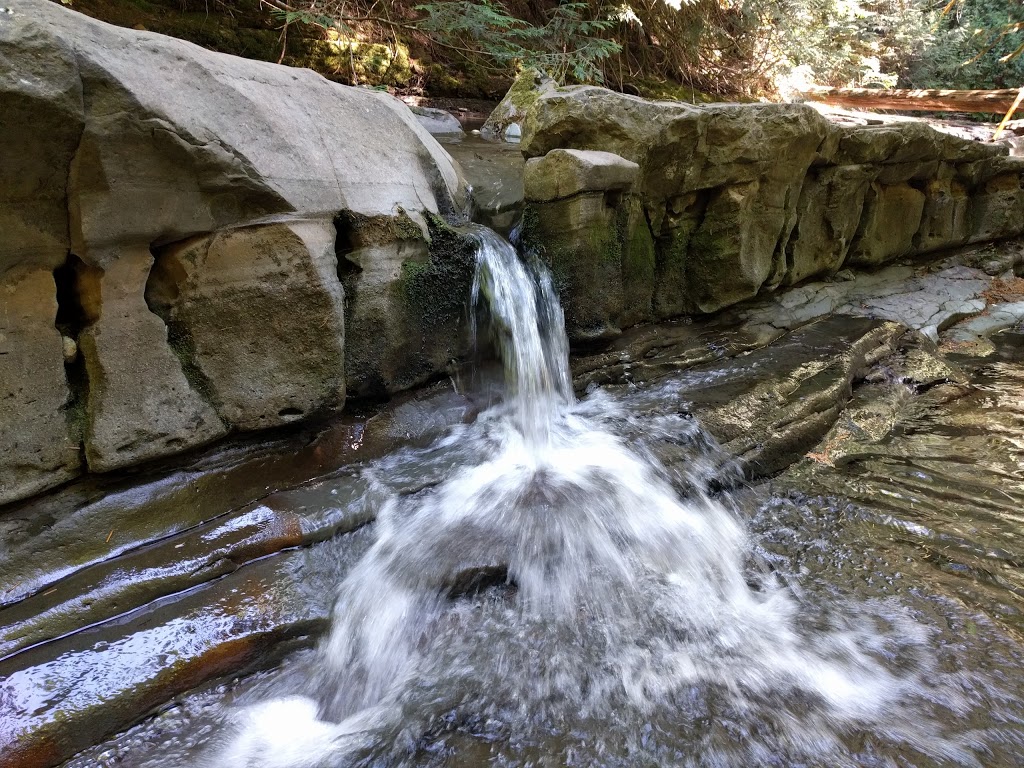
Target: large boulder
[437,121]
[229,301]
[126,149]
[740,199]
[718,185]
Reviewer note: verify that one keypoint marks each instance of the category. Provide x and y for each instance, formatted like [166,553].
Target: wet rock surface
[900,480]
[147,592]
[150,560]
[57,697]
[939,472]
[494,170]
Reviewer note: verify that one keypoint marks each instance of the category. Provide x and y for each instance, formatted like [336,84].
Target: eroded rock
[513,108]
[891,218]
[742,199]
[437,121]
[407,292]
[566,172]
[177,146]
[230,302]
[39,439]
[140,405]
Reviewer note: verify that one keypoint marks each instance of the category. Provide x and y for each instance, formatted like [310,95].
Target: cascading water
[615,604]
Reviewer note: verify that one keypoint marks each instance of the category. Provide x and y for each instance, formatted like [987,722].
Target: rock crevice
[198,193]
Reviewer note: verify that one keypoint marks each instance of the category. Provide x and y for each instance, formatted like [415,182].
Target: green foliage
[683,49]
[866,43]
[323,21]
[977,44]
[568,45]
[884,43]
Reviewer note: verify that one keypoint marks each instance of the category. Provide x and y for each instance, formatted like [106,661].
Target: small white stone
[70,349]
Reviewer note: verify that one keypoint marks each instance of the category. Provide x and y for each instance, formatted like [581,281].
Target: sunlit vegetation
[685,49]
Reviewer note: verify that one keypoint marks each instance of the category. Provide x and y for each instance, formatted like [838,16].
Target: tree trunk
[998,102]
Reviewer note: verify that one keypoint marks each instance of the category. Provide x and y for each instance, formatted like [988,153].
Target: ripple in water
[623,626]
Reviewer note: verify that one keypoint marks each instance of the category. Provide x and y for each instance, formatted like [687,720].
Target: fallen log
[935,100]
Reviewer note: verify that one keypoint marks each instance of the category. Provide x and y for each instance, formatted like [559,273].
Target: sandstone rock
[406,296]
[730,253]
[176,143]
[739,169]
[512,109]
[891,144]
[40,126]
[567,172]
[194,637]
[39,131]
[683,214]
[495,172]
[946,218]
[580,247]
[898,173]
[741,199]
[437,121]
[926,303]
[140,405]
[588,117]
[998,207]
[719,184]
[891,218]
[37,440]
[229,300]
[830,207]
[601,254]
[163,159]
[788,395]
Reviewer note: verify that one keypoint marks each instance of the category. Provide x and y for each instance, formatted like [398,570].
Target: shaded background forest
[667,49]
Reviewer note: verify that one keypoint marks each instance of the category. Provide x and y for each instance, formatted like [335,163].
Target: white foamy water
[613,601]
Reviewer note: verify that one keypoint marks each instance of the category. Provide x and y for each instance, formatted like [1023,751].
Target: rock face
[229,301]
[731,200]
[512,109]
[595,239]
[406,301]
[437,121]
[170,213]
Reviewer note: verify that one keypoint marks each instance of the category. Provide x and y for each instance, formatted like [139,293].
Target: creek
[588,581]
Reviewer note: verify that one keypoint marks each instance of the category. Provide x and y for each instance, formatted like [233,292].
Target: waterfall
[530,333]
[610,599]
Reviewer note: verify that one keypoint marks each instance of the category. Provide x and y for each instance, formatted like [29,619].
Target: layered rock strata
[186,235]
[731,200]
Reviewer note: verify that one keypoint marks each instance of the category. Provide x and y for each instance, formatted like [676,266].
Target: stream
[580,582]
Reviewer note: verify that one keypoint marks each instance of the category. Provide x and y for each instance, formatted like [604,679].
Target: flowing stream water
[589,582]
[550,599]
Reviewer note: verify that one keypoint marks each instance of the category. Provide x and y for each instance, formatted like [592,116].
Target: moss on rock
[521,96]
